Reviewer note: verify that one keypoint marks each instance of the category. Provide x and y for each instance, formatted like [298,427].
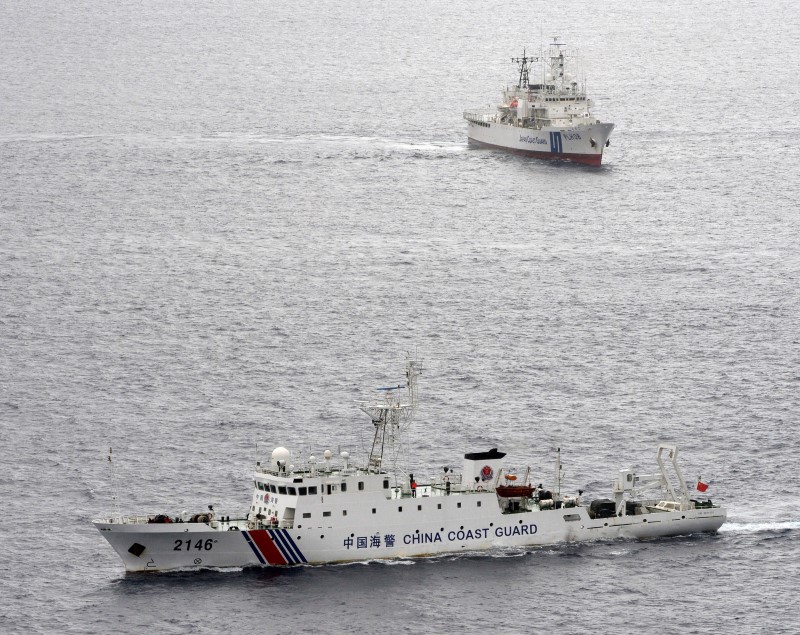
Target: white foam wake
[759,526]
[371,142]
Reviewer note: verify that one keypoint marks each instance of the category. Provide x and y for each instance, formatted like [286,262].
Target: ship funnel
[481,468]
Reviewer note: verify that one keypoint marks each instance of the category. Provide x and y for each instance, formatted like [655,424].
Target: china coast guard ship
[310,511]
[548,117]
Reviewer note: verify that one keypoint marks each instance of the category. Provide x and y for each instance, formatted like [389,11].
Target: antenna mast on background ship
[524,68]
[391,417]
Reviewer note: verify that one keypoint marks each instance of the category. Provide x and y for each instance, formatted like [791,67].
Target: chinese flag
[702,487]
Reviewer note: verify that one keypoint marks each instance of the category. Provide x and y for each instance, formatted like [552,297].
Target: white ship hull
[431,531]
[303,511]
[578,144]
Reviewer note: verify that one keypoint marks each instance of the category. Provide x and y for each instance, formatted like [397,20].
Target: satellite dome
[280,454]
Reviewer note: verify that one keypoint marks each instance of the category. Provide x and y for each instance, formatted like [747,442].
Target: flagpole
[114,497]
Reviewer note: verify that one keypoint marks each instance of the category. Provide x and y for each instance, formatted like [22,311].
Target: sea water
[221,224]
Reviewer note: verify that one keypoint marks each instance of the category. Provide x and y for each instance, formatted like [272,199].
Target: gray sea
[222,223]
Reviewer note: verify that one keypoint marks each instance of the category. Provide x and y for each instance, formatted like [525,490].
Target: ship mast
[557,63]
[391,418]
[524,69]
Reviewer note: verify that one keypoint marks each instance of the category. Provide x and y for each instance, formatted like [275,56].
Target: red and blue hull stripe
[274,546]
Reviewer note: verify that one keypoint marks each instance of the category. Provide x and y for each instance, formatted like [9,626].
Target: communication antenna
[559,474]
[114,497]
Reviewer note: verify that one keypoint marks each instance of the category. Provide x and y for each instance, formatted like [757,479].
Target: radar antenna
[524,69]
[391,417]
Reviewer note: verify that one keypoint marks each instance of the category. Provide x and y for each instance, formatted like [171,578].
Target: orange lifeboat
[514,491]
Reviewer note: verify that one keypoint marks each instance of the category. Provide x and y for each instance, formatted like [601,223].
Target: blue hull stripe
[556,146]
[276,536]
[280,538]
[254,548]
[294,546]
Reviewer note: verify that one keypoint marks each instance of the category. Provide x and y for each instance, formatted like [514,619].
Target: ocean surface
[222,223]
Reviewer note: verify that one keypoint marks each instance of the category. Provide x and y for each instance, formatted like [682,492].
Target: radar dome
[280,454]
[327,455]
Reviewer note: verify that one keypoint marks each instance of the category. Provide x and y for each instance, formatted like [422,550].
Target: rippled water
[223,223]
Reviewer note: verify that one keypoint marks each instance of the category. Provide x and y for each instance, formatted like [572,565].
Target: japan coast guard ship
[310,511]
[547,118]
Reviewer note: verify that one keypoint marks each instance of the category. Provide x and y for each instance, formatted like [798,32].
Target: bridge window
[302,491]
[360,486]
[273,489]
[312,490]
[344,487]
[281,489]
[292,491]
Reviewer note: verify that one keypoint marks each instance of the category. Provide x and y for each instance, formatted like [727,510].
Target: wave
[759,526]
